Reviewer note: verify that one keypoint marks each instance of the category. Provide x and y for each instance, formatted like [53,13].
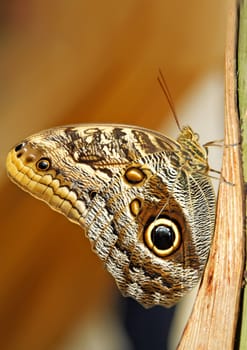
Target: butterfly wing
[147,217]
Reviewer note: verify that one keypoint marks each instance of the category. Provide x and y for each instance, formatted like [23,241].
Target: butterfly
[145,201]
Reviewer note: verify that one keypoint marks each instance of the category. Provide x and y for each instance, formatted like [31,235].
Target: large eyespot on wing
[162,236]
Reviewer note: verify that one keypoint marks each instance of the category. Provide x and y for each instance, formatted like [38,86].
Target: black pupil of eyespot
[162,237]
[43,164]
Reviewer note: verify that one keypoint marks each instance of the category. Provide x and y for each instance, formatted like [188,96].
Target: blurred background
[66,62]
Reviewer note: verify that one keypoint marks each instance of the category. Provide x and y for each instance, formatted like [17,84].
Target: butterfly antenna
[168,96]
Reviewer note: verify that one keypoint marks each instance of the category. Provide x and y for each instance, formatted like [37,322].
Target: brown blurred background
[71,62]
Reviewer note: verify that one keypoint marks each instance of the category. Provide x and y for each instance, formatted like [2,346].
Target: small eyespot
[19,154]
[30,158]
[162,236]
[43,164]
[134,175]
[135,206]
[19,147]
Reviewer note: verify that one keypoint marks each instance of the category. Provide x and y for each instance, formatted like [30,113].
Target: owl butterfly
[146,201]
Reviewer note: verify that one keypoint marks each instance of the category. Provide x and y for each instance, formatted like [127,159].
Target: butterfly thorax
[193,156]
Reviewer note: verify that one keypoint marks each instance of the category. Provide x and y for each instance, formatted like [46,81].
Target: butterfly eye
[162,236]
[43,164]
